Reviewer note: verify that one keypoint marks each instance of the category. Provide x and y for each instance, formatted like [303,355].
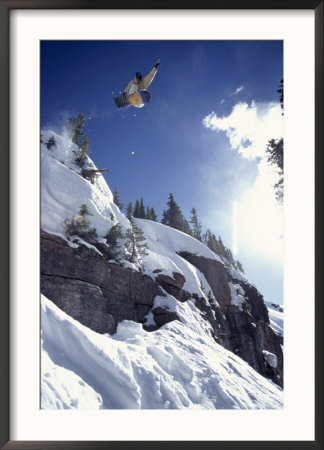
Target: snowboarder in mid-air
[135,93]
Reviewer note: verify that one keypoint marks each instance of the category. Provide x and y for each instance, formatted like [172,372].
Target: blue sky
[202,137]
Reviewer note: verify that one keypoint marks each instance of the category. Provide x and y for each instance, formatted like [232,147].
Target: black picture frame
[5,7]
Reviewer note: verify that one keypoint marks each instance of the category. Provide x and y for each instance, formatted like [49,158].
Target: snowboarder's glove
[157,64]
[124,95]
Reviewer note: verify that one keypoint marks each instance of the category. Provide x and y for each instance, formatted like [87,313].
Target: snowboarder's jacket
[143,84]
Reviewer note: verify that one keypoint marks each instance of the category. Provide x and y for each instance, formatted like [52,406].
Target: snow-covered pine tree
[174,218]
[84,210]
[229,256]
[151,214]
[196,225]
[174,213]
[51,143]
[80,226]
[211,241]
[218,247]
[75,125]
[275,150]
[136,209]
[141,210]
[81,155]
[186,227]
[130,210]
[222,248]
[116,199]
[136,245]
[281,92]
[239,266]
[112,239]
[165,218]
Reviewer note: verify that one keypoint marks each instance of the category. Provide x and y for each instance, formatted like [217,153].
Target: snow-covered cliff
[168,330]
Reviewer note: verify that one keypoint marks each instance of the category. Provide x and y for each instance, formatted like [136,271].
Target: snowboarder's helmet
[138,75]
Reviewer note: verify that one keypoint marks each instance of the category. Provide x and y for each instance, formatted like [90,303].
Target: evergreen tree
[85,145]
[80,155]
[51,143]
[185,227]
[174,213]
[239,266]
[211,241]
[165,218]
[222,248]
[174,218]
[281,92]
[75,125]
[116,199]
[136,243]
[84,211]
[205,237]
[229,256]
[276,157]
[130,211]
[112,239]
[81,226]
[217,246]
[141,210]
[137,209]
[196,225]
[151,214]
[275,150]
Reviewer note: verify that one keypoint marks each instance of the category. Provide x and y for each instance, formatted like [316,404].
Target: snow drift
[174,367]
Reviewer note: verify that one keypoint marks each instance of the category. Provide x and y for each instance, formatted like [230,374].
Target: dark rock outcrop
[101,293]
[173,286]
[96,292]
[163,316]
[247,332]
[215,274]
[83,301]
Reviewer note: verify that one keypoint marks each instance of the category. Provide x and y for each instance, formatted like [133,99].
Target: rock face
[249,333]
[100,294]
[93,291]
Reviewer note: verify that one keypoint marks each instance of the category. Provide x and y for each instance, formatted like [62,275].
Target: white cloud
[239,89]
[249,127]
[222,101]
[260,217]
[259,228]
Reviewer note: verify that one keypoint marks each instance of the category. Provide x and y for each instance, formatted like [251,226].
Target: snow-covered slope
[178,366]
[164,243]
[276,316]
[174,367]
[63,190]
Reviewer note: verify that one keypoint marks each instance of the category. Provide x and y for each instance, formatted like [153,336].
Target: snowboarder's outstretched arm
[149,78]
[146,81]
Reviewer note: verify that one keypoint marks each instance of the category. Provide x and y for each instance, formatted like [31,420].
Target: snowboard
[138,99]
